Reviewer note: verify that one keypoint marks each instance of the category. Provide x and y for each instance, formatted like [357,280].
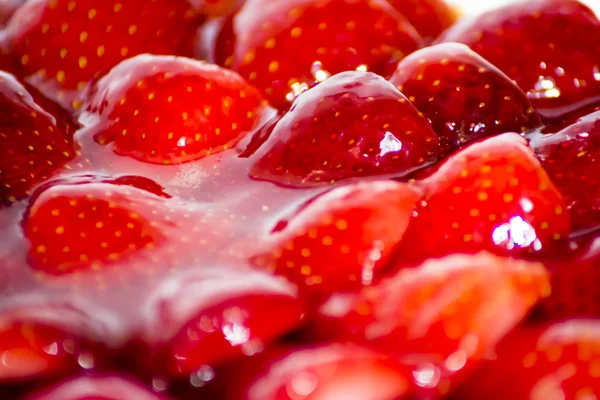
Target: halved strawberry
[84,223]
[170,110]
[558,68]
[462,95]
[63,44]
[570,152]
[557,361]
[492,195]
[325,36]
[442,315]
[354,124]
[212,315]
[429,17]
[342,239]
[35,138]
[324,372]
[106,387]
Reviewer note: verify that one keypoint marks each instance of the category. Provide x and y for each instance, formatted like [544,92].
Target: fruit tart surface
[299,200]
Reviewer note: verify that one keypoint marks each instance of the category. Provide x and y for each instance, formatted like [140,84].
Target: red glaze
[354,124]
[36,139]
[569,153]
[429,17]
[324,372]
[492,195]
[96,388]
[462,95]
[557,68]
[170,110]
[561,360]
[440,316]
[358,225]
[63,44]
[325,37]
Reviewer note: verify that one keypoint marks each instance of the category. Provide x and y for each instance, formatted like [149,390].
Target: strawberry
[462,95]
[106,387]
[323,372]
[492,195]
[342,239]
[171,110]
[569,152]
[8,8]
[84,223]
[31,351]
[557,68]
[326,37]
[560,360]
[35,138]
[429,17]
[354,124]
[216,8]
[213,315]
[441,313]
[63,44]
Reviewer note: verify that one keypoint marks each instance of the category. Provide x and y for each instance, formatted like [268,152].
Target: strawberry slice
[494,196]
[170,110]
[84,223]
[354,124]
[557,361]
[324,372]
[96,388]
[35,137]
[429,17]
[558,68]
[212,315]
[463,96]
[63,44]
[358,226]
[569,152]
[441,314]
[330,36]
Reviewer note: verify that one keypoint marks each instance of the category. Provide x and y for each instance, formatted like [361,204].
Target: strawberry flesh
[35,137]
[462,95]
[62,44]
[354,124]
[493,195]
[441,313]
[569,153]
[172,110]
[557,68]
[357,225]
[327,37]
[552,361]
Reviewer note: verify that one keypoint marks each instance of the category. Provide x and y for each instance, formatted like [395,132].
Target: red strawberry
[170,110]
[96,388]
[559,361]
[212,315]
[494,196]
[463,96]
[441,314]
[429,17]
[342,239]
[63,44]
[8,8]
[86,223]
[570,153]
[324,372]
[31,351]
[35,138]
[325,37]
[558,68]
[354,124]
[215,8]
